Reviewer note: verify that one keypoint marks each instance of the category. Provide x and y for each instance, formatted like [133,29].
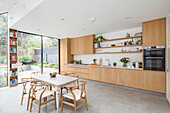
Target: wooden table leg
[58,98]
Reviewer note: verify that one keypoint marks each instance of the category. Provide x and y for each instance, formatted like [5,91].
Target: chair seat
[45,94]
[77,94]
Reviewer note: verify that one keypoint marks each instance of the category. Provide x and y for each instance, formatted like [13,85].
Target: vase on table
[124,64]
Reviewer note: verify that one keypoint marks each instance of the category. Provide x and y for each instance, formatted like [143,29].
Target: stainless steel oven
[154,58]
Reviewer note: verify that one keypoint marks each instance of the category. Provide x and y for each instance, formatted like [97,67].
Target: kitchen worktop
[106,66]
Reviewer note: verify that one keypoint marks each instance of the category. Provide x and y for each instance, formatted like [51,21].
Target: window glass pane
[50,55]
[29,52]
[3,48]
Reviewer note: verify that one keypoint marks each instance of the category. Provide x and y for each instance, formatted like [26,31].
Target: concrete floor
[102,98]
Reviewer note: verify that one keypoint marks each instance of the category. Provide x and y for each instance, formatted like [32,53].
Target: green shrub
[25,59]
[51,65]
[3,59]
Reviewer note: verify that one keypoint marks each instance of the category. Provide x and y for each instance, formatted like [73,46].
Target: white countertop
[120,67]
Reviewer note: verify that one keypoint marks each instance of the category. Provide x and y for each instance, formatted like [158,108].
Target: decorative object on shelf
[138,34]
[124,60]
[136,64]
[52,75]
[80,61]
[94,62]
[113,45]
[114,63]
[132,42]
[127,35]
[99,39]
[100,62]
[125,43]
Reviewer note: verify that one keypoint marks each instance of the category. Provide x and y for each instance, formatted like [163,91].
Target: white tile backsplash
[88,59]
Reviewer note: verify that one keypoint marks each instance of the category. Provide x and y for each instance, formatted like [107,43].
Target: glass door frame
[42,47]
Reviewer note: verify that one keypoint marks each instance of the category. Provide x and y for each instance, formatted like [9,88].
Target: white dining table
[57,82]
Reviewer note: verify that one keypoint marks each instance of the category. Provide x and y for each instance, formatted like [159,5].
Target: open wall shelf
[13,58]
[119,52]
[119,46]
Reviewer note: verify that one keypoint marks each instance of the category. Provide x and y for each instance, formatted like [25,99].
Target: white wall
[168,46]
[88,59]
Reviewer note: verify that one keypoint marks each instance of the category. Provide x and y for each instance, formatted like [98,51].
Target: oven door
[154,52]
[154,63]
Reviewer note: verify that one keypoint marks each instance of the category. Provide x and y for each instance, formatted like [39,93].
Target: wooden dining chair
[42,94]
[27,89]
[62,73]
[37,72]
[75,94]
[73,75]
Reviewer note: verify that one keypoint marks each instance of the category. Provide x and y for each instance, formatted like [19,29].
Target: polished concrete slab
[102,98]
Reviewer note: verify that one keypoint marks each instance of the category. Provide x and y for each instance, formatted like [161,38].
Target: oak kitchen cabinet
[65,54]
[154,32]
[141,79]
[82,45]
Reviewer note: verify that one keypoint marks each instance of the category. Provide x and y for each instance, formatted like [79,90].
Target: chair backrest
[62,73]
[37,72]
[73,75]
[82,83]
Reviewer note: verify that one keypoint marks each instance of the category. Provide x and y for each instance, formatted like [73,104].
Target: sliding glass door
[29,53]
[36,53]
[3,49]
[50,55]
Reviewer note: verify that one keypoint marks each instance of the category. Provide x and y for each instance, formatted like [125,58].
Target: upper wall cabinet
[82,45]
[154,32]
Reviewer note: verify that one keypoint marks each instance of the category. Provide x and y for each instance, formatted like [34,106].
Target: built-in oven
[154,58]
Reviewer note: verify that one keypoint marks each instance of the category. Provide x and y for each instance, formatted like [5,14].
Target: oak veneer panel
[134,78]
[65,53]
[122,78]
[82,45]
[94,73]
[154,32]
[155,81]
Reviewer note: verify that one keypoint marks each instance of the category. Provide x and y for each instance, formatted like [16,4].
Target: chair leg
[31,103]
[86,103]
[22,98]
[28,101]
[62,104]
[55,100]
[39,107]
[61,91]
[75,106]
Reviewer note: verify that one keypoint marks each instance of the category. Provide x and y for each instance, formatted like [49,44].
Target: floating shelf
[119,52]
[118,46]
[14,84]
[13,77]
[13,45]
[122,38]
[13,69]
[13,37]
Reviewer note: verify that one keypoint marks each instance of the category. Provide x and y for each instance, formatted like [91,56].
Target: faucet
[108,62]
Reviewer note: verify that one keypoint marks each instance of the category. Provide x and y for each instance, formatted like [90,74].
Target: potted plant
[99,39]
[124,60]
[114,63]
[94,62]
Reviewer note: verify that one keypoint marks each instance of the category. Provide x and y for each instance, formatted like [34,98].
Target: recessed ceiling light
[62,18]
[84,29]
[11,18]
[128,17]
[38,29]
[92,19]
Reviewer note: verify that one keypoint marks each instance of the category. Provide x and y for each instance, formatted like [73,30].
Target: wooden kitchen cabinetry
[82,45]
[141,79]
[154,32]
[65,54]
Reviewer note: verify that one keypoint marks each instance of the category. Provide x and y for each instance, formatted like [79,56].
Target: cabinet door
[154,32]
[135,78]
[82,45]
[94,73]
[155,81]
[121,77]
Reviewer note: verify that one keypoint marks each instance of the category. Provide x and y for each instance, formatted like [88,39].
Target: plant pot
[53,76]
[124,64]
[114,64]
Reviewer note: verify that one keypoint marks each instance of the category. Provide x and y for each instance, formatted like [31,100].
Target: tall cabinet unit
[13,58]
[65,53]
[154,32]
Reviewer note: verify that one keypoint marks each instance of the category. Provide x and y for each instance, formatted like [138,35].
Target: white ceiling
[46,17]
